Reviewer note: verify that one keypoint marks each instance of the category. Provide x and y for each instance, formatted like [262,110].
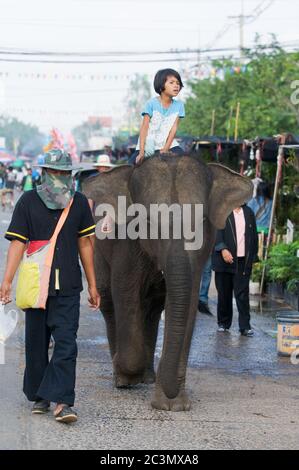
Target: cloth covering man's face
[56,189]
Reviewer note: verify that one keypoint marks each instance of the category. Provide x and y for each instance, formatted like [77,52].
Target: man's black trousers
[227,284]
[55,380]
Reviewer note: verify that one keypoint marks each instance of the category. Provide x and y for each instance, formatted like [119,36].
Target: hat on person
[57,159]
[104,160]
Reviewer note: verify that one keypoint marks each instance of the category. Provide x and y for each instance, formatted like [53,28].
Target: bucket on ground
[287,332]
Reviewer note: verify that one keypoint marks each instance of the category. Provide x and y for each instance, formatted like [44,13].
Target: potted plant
[283,268]
[255,278]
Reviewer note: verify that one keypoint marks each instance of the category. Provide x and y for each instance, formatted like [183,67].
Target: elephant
[139,278]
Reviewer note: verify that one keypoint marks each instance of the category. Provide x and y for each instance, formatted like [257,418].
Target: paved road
[243,395]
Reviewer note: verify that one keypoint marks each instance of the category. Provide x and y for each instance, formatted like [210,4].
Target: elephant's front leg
[181,401]
[161,402]
[170,394]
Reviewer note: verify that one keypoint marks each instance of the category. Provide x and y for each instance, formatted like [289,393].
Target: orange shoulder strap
[62,219]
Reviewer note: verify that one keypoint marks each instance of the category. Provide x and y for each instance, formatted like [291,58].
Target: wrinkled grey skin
[129,277]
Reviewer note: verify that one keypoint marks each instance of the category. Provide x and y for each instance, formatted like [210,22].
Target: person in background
[234,253]
[10,180]
[261,205]
[19,179]
[103,165]
[2,175]
[203,302]
[36,175]
[28,182]
[161,116]
[8,194]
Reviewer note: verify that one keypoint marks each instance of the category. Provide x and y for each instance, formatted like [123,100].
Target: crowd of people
[16,179]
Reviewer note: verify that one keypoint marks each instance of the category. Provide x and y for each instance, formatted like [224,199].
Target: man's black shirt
[32,221]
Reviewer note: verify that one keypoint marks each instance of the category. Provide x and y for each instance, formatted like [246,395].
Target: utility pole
[198,52]
[241,19]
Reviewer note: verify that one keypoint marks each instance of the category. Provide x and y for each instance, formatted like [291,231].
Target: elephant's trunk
[178,275]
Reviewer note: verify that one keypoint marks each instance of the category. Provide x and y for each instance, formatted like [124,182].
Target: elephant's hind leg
[108,314]
[129,361]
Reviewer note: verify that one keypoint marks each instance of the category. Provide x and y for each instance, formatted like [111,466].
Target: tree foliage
[24,138]
[263,89]
[85,131]
[139,92]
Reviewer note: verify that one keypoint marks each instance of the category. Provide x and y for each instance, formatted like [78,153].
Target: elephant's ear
[229,190]
[105,188]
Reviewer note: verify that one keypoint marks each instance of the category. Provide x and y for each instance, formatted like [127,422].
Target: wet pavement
[244,396]
[237,354]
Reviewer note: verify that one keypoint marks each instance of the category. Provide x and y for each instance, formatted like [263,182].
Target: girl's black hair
[161,77]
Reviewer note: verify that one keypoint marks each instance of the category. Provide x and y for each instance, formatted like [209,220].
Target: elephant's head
[173,179]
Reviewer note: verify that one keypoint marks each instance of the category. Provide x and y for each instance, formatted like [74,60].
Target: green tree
[21,137]
[138,93]
[85,131]
[263,89]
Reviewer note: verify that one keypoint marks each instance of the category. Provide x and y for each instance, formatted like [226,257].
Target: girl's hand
[5,292]
[94,299]
[164,150]
[139,158]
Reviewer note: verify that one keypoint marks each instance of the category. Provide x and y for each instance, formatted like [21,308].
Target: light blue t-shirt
[161,121]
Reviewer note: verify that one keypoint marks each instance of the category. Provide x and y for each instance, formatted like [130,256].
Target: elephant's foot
[180,403]
[149,376]
[123,380]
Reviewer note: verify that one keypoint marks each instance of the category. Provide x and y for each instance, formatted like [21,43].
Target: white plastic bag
[8,322]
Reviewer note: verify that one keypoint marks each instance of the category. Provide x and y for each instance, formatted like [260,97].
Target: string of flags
[208,71]
[11,110]
[64,76]
[200,71]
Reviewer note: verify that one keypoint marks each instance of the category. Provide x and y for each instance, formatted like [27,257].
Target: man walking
[34,219]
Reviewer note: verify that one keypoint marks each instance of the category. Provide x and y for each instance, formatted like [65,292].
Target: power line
[251,18]
[16,51]
[258,10]
[124,57]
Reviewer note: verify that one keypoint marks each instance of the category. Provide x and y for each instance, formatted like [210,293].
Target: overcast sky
[65,94]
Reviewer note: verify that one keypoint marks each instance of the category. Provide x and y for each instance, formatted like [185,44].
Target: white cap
[104,160]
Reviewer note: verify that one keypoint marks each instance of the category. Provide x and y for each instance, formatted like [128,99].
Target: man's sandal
[66,415]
